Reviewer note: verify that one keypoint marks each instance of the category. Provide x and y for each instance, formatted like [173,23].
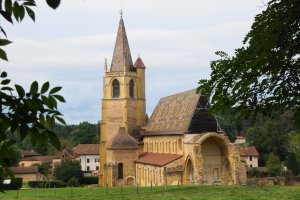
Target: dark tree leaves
[264,75]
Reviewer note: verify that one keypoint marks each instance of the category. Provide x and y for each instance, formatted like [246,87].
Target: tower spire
[121,60]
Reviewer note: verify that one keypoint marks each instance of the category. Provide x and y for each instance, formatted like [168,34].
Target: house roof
[248,151]
[87,149]
[24,170]
[43,159]
[25,153]
[240,137]
[158,159]
[186,112]
[139,63]
[69,153]
[122,57]
[123,141]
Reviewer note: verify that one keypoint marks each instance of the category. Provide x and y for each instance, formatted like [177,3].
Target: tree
[29,114]
[292,164]
[67,169]
[274,166]
[264,75]
[85,133]
[44,169]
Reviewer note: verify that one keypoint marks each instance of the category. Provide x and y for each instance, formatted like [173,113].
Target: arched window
[131,88]
[120,171]
[116,88]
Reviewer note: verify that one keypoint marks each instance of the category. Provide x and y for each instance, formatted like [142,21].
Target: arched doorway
[212,160]
[189,172]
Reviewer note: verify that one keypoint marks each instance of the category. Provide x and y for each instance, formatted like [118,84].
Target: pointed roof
[186,112]
[139,63]
[122,56]
[123,141]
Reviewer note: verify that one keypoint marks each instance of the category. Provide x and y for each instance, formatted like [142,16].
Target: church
[180,143]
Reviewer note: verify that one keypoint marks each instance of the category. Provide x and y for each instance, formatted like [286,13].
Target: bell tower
[123,102]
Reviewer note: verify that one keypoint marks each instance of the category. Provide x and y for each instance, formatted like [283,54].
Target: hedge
[89,180]
[48,184]
[15,184]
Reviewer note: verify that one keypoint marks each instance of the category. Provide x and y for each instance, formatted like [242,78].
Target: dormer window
[131,88]
[116,88]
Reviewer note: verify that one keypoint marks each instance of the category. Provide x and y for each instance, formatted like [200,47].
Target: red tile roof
[139,63]
[158,159]
[248,151]
[67,153]
[43,159]
[25,153]
[24,170]
[87,149]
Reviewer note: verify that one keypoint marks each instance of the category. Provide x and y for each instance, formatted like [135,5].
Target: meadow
[174,192]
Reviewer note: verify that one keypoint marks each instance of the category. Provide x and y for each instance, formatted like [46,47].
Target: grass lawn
[181,192]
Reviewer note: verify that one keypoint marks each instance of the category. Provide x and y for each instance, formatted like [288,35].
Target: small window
[250,165]
[116,88]
[95,160]
[97,167]
[120,171]
[131,89]
[88,160]
[80,160]
[87,168]
[250,158]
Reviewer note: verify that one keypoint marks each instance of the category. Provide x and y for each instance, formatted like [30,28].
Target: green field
[181,192]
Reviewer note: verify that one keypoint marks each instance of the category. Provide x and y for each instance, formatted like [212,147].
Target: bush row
[15,183]
[89,180]
[47,184]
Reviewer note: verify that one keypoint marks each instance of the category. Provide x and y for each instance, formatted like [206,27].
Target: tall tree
[264,75]
[29,114]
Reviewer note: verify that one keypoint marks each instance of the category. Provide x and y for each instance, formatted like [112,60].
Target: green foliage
[292,164]
[27,114]
[15,184]
[89,180]
[254,173]
[48,184]
[264,75]
[73,182]
[85,133]
[67,169]
[30,114]
[44,169]
[274,165]
[270,135]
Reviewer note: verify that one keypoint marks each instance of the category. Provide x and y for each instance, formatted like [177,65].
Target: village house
[250,155]
[88,155]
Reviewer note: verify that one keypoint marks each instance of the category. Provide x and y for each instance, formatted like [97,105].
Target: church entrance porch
[210,161]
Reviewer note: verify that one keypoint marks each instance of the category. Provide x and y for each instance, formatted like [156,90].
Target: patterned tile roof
[87,149]
[123,141]
[186,112]
[158,159]
[67,153]
[248,151]
[24,170]
[122,56]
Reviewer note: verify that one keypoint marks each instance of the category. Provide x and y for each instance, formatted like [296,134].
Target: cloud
[176,40]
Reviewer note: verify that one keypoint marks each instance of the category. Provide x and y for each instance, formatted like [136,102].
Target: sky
[176,40]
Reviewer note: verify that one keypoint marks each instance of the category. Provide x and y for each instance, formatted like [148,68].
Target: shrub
[36,184]
[67,169]
[50,184]
[57,184]
[73,182]
[16,183]
[89,180]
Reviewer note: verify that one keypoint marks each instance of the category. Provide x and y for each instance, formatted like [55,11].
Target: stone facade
[180,144]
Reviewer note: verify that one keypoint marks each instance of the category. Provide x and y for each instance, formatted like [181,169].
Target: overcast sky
[176,40]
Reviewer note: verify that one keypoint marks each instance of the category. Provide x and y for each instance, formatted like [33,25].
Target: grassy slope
[183,192]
